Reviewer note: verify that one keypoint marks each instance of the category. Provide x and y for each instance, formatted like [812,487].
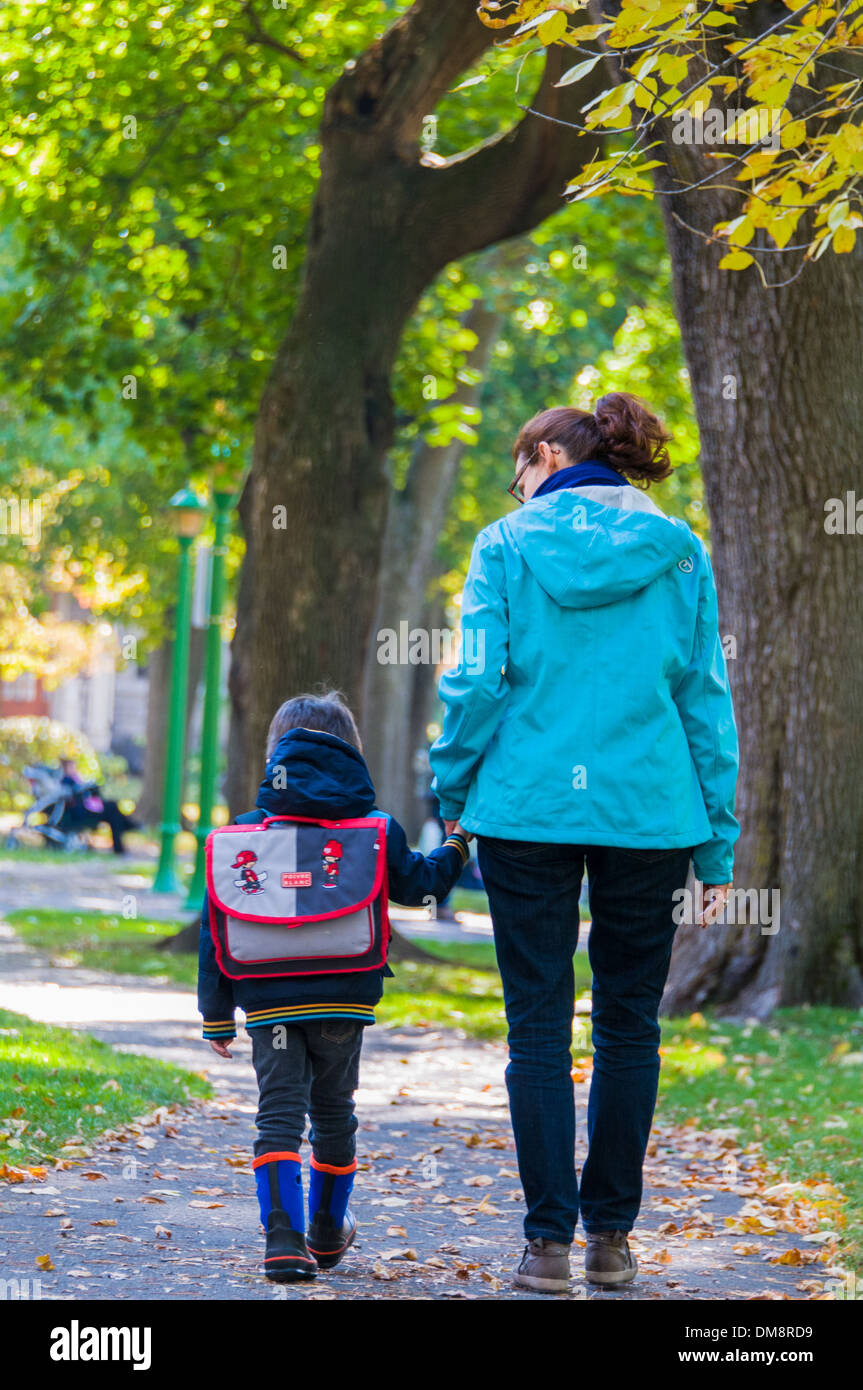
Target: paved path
[166,1209]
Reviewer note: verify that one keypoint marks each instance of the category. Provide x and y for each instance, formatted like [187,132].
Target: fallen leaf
[163,1233]
[206,1206]
[44,1262]
[106,1221]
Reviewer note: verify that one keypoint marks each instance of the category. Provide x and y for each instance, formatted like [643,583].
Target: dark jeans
[533,892]
[308,1069]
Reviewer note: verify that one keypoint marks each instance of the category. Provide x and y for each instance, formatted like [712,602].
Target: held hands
[715,898]
[454,827]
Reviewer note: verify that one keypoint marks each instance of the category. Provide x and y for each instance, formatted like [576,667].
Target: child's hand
[221,1048]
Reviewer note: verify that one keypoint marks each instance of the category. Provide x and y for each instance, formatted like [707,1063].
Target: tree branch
[512,182]
[399,80]
[262,37]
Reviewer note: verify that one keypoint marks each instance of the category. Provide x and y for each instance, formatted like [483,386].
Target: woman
[592,725]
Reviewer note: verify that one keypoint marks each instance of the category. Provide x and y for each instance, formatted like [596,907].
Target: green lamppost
[187,515]
[223,499]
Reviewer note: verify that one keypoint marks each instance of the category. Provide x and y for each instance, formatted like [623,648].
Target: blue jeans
[533,892]
[307,1068]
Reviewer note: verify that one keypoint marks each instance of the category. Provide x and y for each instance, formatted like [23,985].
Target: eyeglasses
[514,488]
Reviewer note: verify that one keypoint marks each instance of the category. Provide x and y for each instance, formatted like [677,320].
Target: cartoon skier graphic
[250,881]
[331,854]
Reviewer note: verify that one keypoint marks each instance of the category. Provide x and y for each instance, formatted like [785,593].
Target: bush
[26,739]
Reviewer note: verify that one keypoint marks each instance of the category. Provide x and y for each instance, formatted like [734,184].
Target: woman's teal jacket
[591,704]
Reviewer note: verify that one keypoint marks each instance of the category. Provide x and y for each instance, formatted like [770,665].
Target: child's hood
[316,774]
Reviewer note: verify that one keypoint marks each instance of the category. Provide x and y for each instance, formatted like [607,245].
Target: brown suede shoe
[544,1267]
[608,1258]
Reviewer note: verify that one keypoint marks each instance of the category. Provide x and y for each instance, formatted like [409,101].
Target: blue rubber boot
[279,1179]
[332,1226]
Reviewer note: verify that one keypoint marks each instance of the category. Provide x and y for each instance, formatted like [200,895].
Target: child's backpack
[294,896]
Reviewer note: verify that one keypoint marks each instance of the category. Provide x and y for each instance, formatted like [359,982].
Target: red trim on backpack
[364,823]
[380,893]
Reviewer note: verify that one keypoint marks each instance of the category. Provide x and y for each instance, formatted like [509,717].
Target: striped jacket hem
[294,1013]
[222,1028]
[290,1013]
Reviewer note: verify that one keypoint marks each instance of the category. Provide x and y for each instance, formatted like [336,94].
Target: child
[307,1031]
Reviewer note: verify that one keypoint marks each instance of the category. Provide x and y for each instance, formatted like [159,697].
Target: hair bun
[634,440]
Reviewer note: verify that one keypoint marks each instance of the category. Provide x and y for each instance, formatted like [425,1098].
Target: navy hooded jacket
[324,778]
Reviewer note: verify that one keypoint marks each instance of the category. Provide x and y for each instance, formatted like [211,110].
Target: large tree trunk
[415,518]
[384,224]
[775,375]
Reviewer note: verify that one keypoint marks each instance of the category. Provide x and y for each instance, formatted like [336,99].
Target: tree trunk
[775,375]
[415,518]
[384,224]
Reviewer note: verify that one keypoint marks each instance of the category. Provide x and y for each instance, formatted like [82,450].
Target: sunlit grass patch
[59,1086]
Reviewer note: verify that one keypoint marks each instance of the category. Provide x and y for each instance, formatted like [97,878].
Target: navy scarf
[581,475]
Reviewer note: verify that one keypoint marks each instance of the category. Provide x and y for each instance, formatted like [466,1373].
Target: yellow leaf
[736,260]
[835,218]
[793,134]
[552,29]
[844,241]
[44,1262]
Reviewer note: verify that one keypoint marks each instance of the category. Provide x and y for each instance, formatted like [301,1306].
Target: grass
[59,1086]
[464,991]
[102,941]
[101,857]
[793,1085]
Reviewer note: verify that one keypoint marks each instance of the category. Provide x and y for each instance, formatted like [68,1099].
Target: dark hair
[621,431]
[328,713]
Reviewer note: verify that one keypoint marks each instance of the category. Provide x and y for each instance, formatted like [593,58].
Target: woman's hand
[454,827]
[221,1048]
[715,898]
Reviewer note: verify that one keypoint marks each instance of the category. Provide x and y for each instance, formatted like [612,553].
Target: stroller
[67,811]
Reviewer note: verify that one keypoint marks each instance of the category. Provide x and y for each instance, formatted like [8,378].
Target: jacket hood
[315,774]
[586,553]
